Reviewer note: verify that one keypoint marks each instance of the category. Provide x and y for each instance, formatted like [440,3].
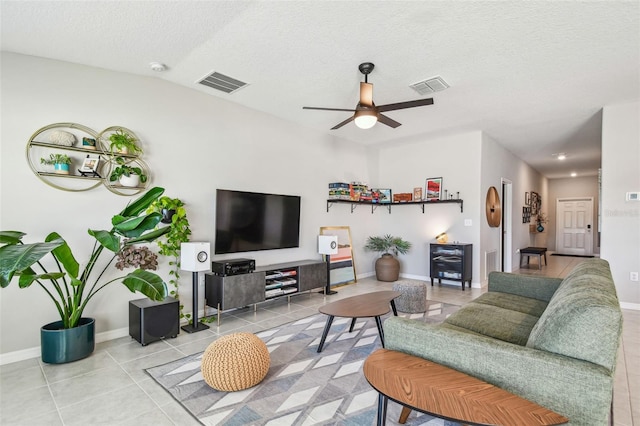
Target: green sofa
[551,341]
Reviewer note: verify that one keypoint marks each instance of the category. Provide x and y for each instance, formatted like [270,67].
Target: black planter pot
[60,345]
[167,214]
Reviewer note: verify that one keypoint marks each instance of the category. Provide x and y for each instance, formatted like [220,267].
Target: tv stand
[265,283]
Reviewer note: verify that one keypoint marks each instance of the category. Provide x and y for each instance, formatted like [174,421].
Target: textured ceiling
[533,75]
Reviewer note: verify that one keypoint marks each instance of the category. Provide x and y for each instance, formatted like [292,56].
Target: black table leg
[393,307]
[327,326]
[382,409]
[353,323]
[379,324]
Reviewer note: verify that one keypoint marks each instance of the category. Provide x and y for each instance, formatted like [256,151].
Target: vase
[60,345]
[167,214]
[540,228]
[387,268]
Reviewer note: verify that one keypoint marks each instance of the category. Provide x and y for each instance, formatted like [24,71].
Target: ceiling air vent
[222,82]
[431,85]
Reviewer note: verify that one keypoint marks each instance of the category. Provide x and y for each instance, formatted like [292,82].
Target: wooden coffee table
[373,304]
[423,385]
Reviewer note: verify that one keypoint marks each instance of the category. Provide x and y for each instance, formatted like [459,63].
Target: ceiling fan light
[365,119]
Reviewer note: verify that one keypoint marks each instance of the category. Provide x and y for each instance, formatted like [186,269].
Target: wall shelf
[373,205]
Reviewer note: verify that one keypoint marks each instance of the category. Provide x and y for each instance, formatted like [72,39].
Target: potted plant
[173,213]
[60,162]
[387,266]
[69,287]
[127,175]
[124,143]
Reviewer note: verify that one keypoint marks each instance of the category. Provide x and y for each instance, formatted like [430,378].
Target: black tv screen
[251,221]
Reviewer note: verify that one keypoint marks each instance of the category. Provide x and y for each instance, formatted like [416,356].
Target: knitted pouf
[235,362]
[413,296]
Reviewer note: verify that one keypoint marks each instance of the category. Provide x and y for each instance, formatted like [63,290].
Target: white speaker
[195,257]
[328,244]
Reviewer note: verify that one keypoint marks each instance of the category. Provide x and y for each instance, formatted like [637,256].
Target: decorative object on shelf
[328,245]
[129,176]
[541,219]
[493,208]
[402,197]
[382,196]
[89,143]
[60,137]
[387,266]
[90,166]
[339,191]
[124,142]
[417,193]
[442,238]
[194,257]
[343,270]
[433,189]
[71,289]
[60,162]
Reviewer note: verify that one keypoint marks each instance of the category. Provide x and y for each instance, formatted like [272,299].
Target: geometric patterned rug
[302,387]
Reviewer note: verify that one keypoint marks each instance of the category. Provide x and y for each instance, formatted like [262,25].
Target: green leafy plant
[388,244]
[123,169]
[56,159]
[169,245]
[69,288]
[121,140]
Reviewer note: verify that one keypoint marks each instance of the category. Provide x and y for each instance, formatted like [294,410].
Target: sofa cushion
[513,302]
[583,319]
[494,321]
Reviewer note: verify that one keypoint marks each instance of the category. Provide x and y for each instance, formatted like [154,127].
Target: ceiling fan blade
[388,121]
[366,94]
[330,109]
[403,105]
[347,121]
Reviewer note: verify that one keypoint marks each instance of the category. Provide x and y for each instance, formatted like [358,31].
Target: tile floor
[111,387]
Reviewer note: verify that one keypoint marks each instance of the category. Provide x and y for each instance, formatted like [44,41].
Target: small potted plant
[124,143]
[387,266]
[60,162]
[129,176]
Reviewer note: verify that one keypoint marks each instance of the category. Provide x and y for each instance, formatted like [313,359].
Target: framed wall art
[433,189]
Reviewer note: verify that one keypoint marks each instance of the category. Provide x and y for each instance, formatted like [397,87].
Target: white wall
[586,186]
[620,243]
[194,143]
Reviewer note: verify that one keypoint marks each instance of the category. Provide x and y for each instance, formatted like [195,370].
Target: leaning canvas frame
[90,164]
[433,189]
[342,267]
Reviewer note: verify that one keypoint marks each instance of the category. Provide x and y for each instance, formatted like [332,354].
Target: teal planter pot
[60,345]
[62,169]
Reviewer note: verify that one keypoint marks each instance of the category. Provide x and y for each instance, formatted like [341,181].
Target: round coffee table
[366,305]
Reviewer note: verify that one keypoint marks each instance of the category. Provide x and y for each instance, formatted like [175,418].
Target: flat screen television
[252,221]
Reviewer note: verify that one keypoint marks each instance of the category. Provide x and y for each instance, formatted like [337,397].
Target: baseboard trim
[631,306]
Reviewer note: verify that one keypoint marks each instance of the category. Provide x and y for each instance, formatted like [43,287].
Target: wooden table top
[443,392]
[372,304]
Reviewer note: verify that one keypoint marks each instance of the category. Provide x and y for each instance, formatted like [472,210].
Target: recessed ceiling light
[561,156]
[574,174]
[157,66]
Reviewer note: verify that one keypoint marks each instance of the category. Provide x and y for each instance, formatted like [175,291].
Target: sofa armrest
[576,389]
[534,287]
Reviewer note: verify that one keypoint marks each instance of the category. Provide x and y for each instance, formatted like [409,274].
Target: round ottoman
[235,362]
[413,296]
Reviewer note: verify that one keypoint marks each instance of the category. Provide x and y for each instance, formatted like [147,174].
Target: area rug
[570,255]
[302,387]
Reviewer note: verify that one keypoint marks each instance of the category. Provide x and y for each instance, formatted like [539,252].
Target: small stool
[534,251]
[235,362]
[413,296]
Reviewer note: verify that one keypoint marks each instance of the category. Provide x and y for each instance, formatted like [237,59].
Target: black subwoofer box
[150,321]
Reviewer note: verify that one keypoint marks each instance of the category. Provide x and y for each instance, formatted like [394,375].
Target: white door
[574,226]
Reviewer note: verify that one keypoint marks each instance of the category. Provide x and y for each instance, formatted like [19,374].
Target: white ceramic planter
[130,181]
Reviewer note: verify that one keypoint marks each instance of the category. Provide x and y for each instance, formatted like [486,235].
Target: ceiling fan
[366,113]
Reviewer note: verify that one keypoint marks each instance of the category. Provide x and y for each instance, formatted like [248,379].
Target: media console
[265,283]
